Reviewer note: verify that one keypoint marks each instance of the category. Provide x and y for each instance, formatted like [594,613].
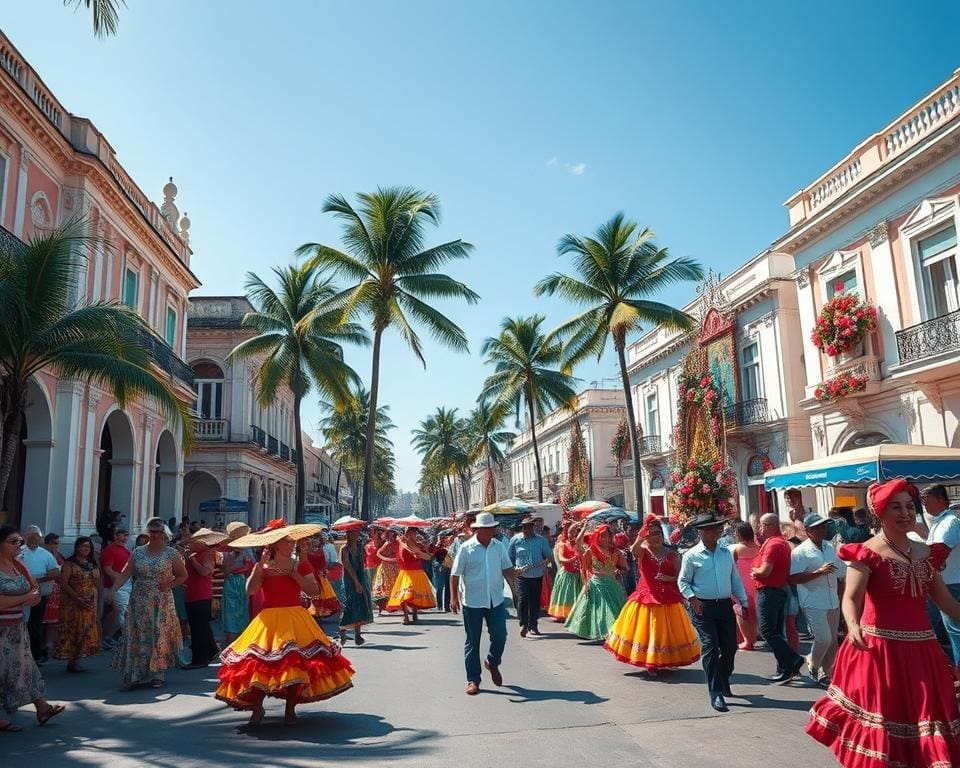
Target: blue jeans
[473,619]
[441,584]
[953,627]
[771,610]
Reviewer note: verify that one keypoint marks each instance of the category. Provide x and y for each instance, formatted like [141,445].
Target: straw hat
[274,532]
[209,537]
[236,529]
[348,523]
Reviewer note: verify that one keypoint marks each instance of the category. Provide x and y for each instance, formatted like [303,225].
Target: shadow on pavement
[536,694]
[371,646]
[756,701]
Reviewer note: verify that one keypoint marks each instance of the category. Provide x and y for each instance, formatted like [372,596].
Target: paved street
[564,703]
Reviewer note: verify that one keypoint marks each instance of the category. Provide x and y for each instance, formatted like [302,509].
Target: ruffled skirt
[564,594]
[892,705]
[653,636]
[282,650]
[413,590]
[384,581]
[596,608]
[326,602]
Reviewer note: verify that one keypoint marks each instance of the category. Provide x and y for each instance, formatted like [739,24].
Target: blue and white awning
[919,463]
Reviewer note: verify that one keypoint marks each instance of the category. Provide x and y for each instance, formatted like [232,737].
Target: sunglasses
[18,542]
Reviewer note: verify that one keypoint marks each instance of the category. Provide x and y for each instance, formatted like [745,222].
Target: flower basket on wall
[843,324]
[703,486]
[841,385]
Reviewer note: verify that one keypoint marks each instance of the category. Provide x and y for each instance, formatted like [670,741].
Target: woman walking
[79,580]
[892,699]
[237,564]
[357,609]
[283,653]
[370,559]
[201,564]
[653,630]
[744,551]
[387,571]
[151,640]
[326,603]
[600,600]
[411,591]
[20,679]
[567,585]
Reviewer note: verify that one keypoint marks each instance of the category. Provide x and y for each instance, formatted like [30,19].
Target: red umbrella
[411,521]
[584,508]
[347,523]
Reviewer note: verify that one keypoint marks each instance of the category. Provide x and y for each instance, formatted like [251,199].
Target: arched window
[208,383]
[755,467]
[656,482]
[759,502]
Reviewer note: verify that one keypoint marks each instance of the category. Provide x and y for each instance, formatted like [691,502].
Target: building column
[108,290]
[886,299]
[20,210]
[808,319]
[151,313]
[62,512]
[91,453]
[98,248]
[148,465]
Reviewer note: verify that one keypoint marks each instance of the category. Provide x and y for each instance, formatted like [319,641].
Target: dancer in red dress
[892,700]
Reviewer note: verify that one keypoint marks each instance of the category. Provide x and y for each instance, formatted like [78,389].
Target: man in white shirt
[44,568]
[816,571]
[476,583]
[944,525]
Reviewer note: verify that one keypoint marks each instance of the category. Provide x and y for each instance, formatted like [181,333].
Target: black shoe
[780,677]
[719,704]
[727,691]
[535,631]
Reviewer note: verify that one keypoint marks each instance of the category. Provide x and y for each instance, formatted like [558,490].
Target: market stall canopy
[919,463]
[508,507]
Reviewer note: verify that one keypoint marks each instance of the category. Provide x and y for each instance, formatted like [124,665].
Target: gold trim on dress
[899,634]
[898,730]
[852,746]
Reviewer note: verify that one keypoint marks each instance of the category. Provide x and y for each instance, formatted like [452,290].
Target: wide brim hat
[528,520]
[209,537]
[708,520]
[484,520]
[275,531]
[236,529]
[347,523]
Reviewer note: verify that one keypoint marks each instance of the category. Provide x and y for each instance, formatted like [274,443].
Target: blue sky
[529,120]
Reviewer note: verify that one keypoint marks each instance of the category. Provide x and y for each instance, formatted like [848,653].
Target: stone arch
[853,435]
[165,477]
[199,486]
[116,477]
[27,495]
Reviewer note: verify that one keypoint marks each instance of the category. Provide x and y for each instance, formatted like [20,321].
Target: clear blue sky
[697,119]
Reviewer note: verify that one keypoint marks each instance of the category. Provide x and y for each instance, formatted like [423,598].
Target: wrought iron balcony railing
[747,412]
[259,436]
[273,445]
[942,334]
[649,444]
[165,357]
[284,451]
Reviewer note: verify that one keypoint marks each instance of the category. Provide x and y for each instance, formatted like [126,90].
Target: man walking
[772,574]
[945,529]
[708,579]
[816,570]
[113,559]
[44,568]
[476,582]
[528,552]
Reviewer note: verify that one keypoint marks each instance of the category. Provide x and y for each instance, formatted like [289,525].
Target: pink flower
[705,488]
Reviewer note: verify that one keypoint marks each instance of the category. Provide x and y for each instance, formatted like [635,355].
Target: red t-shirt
[198,587]
[115,556]
[370,559]
[775,550]
[282,591]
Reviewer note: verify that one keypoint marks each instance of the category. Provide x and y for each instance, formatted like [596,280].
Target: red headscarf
[648,522]
[595,542]
[879,494]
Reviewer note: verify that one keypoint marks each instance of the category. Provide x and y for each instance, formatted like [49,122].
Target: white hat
[484,520]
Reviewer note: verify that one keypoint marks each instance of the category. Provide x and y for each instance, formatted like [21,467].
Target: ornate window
[208,383]
[930,238]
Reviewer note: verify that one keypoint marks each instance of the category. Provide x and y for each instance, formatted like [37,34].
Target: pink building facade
[81,454]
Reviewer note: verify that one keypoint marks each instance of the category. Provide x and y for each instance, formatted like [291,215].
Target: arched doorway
[117,464]
[759,501]
[165,478]
[25,500]
[657,495]
[199,487]
[865,440]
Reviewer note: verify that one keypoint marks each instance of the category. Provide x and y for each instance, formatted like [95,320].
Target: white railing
[836,184]
[942,107]
[211,429]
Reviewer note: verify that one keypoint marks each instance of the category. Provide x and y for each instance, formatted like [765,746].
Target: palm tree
[106,14]
[524,359]
[441,438]
[486,438]
[393,275]
[100,343]
[617,271]
[297,344]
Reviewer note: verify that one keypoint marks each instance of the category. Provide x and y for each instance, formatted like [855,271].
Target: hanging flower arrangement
[843,323]
[841,385]
[703,486]
[700,390]
[620,445]
[578,466]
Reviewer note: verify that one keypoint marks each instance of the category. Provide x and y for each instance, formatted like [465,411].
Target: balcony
[273,445]
[942,334]
[284,451]
[211,429]
[747,413]
[259,437]
[649,444]
[164,357]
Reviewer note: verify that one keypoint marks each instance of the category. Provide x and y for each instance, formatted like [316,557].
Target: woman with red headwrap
[567,585]
[653,630]
[892,700]
[601,598]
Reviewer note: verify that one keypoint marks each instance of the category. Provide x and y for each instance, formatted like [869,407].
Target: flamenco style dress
[893,705]
[567,585]
[281,652]
[599,603]
[386,577]
[326,603]
[653,629]
[412,588]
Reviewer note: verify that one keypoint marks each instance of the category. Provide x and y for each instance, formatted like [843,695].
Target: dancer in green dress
[601,599]
[358,607]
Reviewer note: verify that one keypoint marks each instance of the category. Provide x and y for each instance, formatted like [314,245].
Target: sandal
[50,711]
[9,727]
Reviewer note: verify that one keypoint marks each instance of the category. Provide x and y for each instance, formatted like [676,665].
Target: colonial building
[882,224]
[243,450]
[324,483]
[81,454]
[748,326]
[599,411]
[501,482]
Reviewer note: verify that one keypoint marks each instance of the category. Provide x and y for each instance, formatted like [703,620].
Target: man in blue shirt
[708,580]
[529,551]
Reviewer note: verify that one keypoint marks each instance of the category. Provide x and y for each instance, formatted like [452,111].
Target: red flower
[275,524]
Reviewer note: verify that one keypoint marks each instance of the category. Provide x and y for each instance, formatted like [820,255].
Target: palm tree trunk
[631,427]
[336,497]
[371,426]
[13,403]
[453,501]
[299,512]
[536,449]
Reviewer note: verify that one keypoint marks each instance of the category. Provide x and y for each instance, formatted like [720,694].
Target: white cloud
[577,169]
[551,162]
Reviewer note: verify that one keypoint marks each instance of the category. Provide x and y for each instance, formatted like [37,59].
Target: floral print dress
[20,680]
[151,635]
[79,633]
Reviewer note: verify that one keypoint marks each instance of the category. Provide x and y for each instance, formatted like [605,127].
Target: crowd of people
[656,597]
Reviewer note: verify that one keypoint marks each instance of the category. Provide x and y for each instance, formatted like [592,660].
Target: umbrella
[383,522]
[347,523]
[585,508]
[508,507]
[411,521]
[607,515]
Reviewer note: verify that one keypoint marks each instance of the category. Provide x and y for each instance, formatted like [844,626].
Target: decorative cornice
[878,234]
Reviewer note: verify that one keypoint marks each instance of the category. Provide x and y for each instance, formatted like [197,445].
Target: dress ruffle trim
[316,678]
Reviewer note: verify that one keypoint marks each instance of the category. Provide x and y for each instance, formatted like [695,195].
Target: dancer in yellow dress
[653,630]
[412,590]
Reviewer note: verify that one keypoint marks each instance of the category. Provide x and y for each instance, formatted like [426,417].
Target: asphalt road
[563,703]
